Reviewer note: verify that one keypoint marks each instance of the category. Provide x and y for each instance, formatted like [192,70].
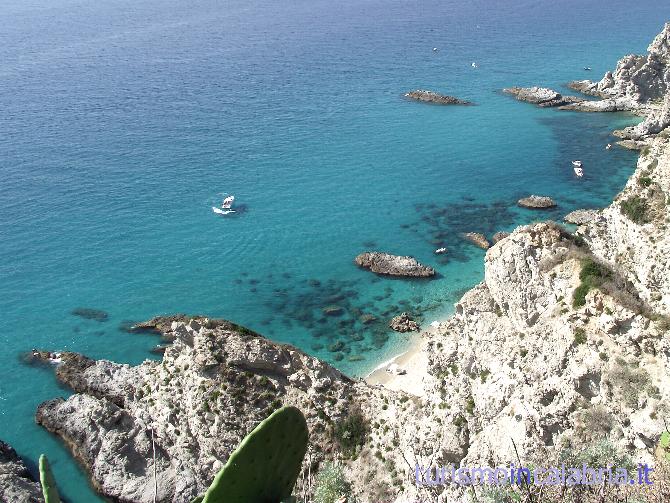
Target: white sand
[414,361]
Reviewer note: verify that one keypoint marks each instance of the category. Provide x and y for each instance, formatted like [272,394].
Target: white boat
[609,146]
[434,49]
[221,211]
[440,251]
[587,68]
[579,172]
[473,65]
[577,164]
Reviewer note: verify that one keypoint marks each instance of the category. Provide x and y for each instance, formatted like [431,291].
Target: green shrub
[635,208]
[592,275]
[351,433]
[331,485]
[645,181]
[580,336]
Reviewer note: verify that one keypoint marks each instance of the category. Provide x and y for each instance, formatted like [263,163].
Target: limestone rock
[404,323]
[537,202]
[477,239]
[393,265]
[541,96]
[581,217]
[433,97]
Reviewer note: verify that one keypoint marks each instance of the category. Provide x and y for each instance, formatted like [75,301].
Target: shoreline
[414,361]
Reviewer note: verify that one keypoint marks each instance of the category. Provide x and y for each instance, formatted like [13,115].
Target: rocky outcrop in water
[537,202]
[477,239]
[436,98]
[541,96]
[16,482]
[393,265]
[404,323]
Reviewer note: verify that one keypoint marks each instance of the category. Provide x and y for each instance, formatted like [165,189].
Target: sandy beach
[414,361]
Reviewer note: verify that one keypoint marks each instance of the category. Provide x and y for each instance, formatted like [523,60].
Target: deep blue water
[122,122]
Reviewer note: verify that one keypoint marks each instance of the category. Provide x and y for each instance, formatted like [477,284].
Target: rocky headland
[435,98]
[542,96]
[561,353]
[393,265]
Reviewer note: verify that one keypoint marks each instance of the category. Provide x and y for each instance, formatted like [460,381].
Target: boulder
[393,265]
[581,217]
[404,323]
[537,202]
[433,97]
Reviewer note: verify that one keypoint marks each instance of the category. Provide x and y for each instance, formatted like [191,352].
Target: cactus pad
[266,464]
[48,482]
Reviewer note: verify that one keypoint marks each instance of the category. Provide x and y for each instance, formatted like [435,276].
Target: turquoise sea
[122,122]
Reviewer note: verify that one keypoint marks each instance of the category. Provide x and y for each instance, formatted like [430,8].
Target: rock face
[214,384]
[404,323]
[477,239]
[16,483]
[537,202]
[638,82]
[433,97]
[581,217]
[393,265]
[541,96]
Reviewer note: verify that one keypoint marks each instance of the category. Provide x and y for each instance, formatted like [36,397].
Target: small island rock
[393,265]
[433,97]
[537,202]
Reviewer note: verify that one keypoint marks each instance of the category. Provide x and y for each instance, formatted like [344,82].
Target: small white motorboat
[579,172]
[587,68]
[577,164]
[440,251]
[226,206]
[435,49]
[609,146]
[473,65]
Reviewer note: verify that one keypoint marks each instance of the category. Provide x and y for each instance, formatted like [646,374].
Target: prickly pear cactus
[266,464]
[48,482]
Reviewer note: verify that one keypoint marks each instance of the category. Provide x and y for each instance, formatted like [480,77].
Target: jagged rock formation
[433,97]
[393,265]
[537,202]
[639,83]
[16,483]
[541,96]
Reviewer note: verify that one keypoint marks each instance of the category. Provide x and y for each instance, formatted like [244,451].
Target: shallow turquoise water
[123,123]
